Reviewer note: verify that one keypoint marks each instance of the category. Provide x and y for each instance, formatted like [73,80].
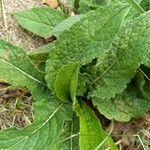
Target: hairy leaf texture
[128,51]
[85,40]
[14,59]
[123,107]
[146,6]
[50,114]
[63,81]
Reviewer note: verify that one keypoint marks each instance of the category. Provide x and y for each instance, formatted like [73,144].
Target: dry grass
[134,135]
[15,105]
[10,30]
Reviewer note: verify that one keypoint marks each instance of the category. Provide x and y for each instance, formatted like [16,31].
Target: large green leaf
[124,106]
[17,59]
[45,132]
[92,135]
[86,39]
[63,81]
[41,54]
[91,132]
[49,113]
[40,20]
[129,49]
[146,6]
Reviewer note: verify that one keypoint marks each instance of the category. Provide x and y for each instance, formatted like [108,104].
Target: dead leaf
[51,3]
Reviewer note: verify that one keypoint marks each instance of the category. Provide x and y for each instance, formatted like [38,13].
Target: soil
[16,104]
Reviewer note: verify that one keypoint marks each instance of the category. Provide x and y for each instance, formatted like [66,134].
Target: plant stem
[136,6]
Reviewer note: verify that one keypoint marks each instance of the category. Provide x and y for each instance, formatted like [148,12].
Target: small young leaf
[49,113]
[85,40]
[63,81]
[40,20]
[91,132]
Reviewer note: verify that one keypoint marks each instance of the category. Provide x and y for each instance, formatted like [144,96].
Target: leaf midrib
[46,121]
[28,75]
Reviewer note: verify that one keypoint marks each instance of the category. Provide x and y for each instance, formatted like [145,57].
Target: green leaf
[128,51]
[45,132]
[135,9]
[146,60]
[15,64]
[85,40]
[146,6]
[91,132]
[133,13]
[40,20]
[41,54]
[87,5]
[124,106]
[63,81]
[65,24]
[136,6]
[92,135]
[49,113]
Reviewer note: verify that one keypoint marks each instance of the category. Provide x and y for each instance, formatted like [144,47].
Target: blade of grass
[4,18]
[137,7]
[138,136]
